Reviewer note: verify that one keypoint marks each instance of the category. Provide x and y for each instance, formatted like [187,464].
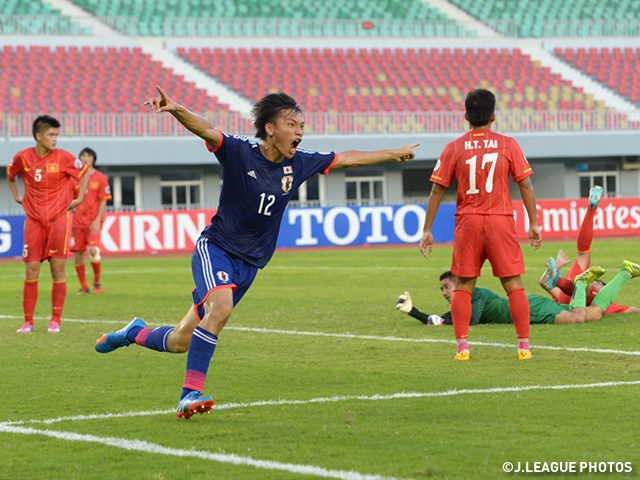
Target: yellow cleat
[524,355]
[462,355]
[589,276]
[632,268]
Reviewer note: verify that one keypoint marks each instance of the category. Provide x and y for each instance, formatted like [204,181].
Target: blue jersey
[255,192]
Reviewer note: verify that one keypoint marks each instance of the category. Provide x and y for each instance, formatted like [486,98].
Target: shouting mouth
[294,145]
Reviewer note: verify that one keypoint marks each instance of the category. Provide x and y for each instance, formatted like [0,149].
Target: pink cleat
[54,327]
[26,328]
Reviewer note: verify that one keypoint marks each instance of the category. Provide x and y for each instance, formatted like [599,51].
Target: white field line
[439,269]
[364,337]
[336,398]
[148,447]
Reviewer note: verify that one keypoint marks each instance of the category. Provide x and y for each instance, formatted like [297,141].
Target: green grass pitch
[316,375]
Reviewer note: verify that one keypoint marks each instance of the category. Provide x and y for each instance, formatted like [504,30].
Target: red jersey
[97,191]
[481,161]
[46,181]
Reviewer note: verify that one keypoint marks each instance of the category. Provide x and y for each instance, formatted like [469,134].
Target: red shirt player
[87,222]
[46,172]
[482,162]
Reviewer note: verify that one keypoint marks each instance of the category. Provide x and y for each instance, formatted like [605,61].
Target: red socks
[29,299]
[461,312]
[58,295]
[82,276]
[585,234]
[520,314]
[96,272]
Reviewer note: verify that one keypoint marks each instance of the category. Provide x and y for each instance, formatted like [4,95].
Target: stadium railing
[292,27]
[305,27]
[361,123]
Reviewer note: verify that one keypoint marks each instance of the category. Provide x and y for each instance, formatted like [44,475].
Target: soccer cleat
[110,341]
[83,291]
[54,327]
[589,276]
[632,268]
[192,403]
[595,194]
[462,355]
[26,328]
[404,303]
[524,354]
[97,288]
[553,274]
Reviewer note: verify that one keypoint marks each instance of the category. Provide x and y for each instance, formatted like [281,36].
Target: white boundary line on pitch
[336,398]
[365,337]
[148,447]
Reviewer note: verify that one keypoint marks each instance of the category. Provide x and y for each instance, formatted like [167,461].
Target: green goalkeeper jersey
[486,307]
[489,307]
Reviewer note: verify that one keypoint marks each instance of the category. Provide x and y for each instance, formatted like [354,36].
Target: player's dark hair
[91,152]
[44,123]
[268,109]
[447,275]
[480,104]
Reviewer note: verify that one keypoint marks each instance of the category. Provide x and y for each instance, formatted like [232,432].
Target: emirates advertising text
[177,231]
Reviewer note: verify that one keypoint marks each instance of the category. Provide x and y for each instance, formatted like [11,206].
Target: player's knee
[94,254]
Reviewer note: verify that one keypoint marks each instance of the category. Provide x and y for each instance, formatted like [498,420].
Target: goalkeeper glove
[404,303]
[434,320]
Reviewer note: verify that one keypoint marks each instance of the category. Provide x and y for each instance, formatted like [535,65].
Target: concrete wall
[551,155]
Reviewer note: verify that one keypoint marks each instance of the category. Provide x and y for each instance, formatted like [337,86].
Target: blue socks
[201,348]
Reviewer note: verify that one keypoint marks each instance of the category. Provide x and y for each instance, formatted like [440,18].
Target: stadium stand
[212,18]
[614,67]
[35,17]
[390,80]
[539,18]
[95,80]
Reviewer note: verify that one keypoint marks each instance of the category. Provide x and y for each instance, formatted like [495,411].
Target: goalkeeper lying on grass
[488,307]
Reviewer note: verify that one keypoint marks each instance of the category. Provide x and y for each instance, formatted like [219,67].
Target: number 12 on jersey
[490,158]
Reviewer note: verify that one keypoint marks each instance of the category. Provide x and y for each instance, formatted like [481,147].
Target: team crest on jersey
[288,169]
[222,276]
[94,185]
[287,183]
[52,167]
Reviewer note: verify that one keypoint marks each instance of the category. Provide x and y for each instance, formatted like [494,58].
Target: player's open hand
[562,259]
[161,103]
[535,237]
[404,154]
[426,244]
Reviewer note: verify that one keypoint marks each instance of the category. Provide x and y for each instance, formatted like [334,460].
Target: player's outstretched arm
[194,123]
[435,198]
[361,158]
[529,200]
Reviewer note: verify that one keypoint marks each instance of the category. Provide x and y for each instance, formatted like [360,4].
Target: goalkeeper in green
[488,307]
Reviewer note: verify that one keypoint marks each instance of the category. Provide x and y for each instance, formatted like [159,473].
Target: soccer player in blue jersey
[259,179]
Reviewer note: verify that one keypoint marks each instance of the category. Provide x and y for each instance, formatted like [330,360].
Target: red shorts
[615,308]
[81,238]
[486,237]
[43,242]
